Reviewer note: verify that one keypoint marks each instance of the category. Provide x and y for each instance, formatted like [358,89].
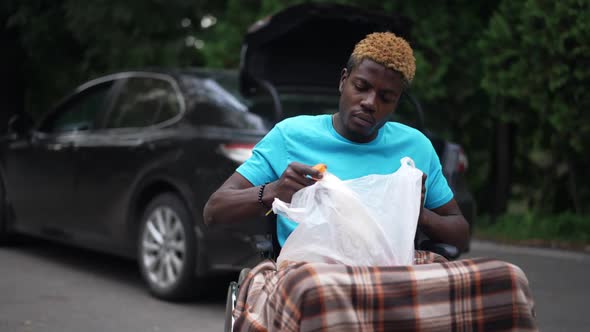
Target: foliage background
[506,79]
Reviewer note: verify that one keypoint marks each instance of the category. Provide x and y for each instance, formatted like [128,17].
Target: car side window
[81,112]
[144,101]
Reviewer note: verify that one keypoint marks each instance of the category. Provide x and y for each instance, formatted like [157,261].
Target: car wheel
[167,248]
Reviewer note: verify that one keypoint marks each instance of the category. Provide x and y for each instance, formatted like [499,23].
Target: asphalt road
[559,281]
[49,287]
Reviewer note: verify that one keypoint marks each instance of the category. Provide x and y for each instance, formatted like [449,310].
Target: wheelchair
[270,249]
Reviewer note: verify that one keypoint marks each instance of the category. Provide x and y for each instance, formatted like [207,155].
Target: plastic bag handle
[408,161]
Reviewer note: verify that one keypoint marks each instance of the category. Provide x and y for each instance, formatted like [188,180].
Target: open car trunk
[304,48]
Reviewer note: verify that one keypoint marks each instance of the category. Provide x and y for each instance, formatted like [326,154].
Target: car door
[120,152]
[41,168]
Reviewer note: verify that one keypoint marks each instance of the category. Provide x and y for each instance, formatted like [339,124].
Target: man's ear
[343,77]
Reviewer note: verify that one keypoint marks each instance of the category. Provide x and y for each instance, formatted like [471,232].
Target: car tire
[167,248]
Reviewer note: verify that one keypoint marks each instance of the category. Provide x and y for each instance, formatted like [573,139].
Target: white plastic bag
[369,221]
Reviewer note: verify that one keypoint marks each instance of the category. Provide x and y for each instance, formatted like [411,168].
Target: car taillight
[238,152]
[462,162]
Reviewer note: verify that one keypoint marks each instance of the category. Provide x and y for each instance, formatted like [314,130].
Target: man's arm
[237,198]
[444,224]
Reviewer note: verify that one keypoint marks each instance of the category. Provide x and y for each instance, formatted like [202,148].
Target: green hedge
[566,227]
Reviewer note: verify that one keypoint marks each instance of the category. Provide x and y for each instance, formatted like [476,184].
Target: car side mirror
[20,124]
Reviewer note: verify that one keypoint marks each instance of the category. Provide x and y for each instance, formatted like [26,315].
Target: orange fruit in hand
[320,167]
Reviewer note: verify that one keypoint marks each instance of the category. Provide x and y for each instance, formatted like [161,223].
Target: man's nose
[368,101]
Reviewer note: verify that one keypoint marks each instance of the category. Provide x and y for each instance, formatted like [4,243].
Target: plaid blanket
[434,295]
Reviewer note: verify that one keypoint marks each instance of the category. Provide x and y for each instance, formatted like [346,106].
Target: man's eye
[360,86]
[388,99]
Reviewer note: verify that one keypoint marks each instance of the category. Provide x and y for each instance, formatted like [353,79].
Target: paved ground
[558,279]
[51,288]
[48,287]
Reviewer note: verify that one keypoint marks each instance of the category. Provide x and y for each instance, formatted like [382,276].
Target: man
[356,141]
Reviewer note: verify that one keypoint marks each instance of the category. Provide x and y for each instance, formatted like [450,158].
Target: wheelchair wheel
[232,297]
[230,304]
[243,275]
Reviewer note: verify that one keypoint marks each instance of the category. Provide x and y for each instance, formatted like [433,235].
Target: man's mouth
[365,121]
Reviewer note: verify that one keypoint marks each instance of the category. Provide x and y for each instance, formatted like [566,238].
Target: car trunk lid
[303,48]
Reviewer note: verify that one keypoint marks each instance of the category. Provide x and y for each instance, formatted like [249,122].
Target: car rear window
[144,101]
[212,103]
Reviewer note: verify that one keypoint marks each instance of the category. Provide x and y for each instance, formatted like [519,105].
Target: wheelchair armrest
[264,245]
[446,250]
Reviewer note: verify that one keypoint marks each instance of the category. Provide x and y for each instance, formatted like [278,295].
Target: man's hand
[294,178]
[237,198]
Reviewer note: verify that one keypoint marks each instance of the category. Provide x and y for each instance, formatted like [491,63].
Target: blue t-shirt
[312,139]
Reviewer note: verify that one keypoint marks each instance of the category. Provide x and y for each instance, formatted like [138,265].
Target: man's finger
[306,171]
[304,181]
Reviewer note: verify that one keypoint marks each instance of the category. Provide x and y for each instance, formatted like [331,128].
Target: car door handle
[58,146]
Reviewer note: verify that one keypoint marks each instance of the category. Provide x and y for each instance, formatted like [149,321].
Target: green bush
[567,227]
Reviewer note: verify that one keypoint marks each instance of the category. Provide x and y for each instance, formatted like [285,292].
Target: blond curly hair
[388,50]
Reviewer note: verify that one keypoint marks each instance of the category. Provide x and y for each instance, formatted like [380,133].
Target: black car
[126,163]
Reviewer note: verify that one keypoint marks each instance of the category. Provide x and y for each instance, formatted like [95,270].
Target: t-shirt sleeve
[266,160]
[438,192]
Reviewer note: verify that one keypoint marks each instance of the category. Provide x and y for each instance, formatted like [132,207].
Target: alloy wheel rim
[163,247]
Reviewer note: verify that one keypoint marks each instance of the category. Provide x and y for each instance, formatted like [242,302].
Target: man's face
[369,95]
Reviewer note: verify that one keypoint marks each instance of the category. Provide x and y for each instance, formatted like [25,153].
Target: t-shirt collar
[330,124]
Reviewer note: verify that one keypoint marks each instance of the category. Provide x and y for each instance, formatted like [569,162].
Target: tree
[533,58]
[538,63]
[66,42]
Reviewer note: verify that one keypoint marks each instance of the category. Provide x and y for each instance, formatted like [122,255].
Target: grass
[564,230]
